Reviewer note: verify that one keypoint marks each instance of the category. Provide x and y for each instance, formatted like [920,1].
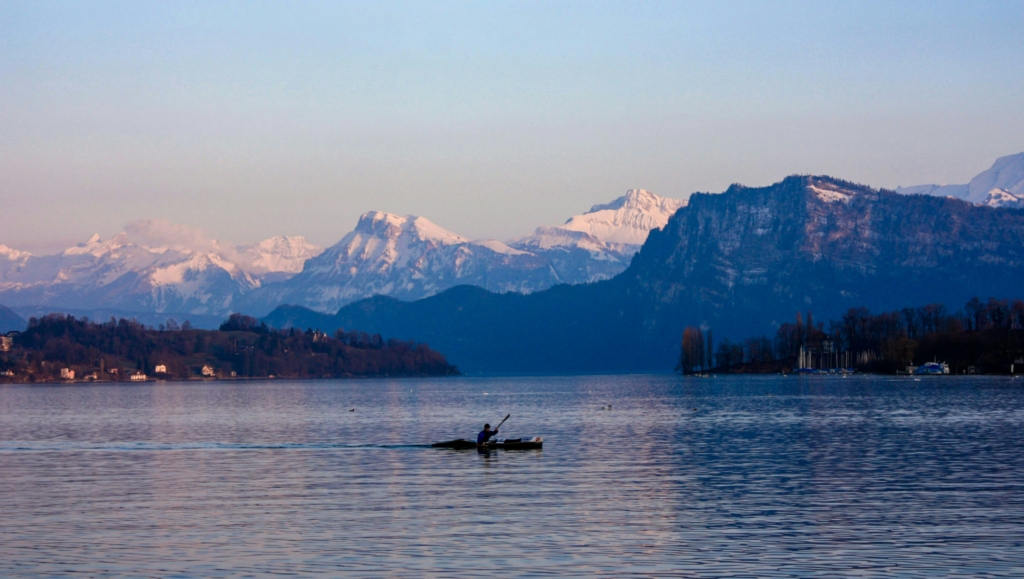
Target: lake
[732,476]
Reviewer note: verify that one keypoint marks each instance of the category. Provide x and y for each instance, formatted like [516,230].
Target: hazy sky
[249,120]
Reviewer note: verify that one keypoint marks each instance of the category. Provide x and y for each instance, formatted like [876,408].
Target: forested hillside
[242,347]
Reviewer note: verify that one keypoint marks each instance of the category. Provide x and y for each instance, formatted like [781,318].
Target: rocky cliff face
[750,258]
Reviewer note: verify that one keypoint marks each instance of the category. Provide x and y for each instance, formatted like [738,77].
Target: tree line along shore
[984,337]
[64,348]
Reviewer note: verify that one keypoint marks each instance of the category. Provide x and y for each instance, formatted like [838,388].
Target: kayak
[502,443]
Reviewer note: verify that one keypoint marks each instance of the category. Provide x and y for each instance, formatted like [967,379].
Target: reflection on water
[759,477]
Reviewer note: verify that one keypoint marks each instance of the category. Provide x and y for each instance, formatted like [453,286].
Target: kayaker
[485,434]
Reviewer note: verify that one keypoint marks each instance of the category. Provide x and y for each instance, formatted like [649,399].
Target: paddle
[500,423]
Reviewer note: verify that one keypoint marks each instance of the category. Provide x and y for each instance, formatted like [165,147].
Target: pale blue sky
[257,119]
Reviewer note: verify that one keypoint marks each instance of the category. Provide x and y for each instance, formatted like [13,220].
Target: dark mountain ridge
[739,263]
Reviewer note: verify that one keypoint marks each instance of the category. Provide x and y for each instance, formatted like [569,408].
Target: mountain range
[155,269]
[159,267]
[153,266]
[411,258]
[737,263]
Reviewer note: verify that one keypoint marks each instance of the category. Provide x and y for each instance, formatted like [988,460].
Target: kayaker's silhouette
[484,441]
[485,434]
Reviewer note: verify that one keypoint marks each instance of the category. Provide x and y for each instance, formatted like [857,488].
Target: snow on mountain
[1007,174]
[600,243]
[830,193]
[406,257]
[154,266]
[283,254]
[382,242]
[1003,198]
[1005,177]
[411,258]
[547,237]
[625,222]
[13,254]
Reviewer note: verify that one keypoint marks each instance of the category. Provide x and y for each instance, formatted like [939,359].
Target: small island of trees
[56,347]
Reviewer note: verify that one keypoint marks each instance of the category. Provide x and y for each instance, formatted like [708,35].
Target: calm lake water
[738,477]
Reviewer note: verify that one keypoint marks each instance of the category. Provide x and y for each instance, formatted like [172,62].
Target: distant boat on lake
[932,368]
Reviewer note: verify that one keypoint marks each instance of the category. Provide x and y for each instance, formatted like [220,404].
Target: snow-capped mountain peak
[382,241]
[410,257]
[390,226]
[153,266]
[94,246]
[634,198]
[627,220]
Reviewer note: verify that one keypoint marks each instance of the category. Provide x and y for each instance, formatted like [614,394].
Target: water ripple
[738,477]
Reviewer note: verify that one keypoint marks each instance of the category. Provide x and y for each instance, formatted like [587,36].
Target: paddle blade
[502,421]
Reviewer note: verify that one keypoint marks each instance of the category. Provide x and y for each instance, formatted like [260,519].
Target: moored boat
[932,369]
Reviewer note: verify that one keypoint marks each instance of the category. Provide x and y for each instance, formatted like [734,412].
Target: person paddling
[485,434]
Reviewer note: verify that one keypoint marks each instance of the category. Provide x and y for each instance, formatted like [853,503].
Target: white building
[6,343]
[208,371]
[138,377]
[67,374]
[160,369]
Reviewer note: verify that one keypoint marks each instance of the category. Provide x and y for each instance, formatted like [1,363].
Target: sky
[254,119]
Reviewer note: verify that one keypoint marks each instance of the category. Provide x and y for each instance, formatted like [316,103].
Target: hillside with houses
[63,348]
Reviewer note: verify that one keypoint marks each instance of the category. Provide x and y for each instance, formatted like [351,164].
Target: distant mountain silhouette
[740,263]
[10,321]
